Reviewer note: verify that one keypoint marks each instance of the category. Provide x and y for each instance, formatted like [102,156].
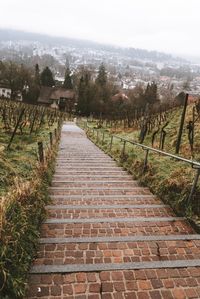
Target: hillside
[170,179]
[7,35]
[25,174]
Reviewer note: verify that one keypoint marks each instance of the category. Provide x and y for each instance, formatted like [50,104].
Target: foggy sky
[165,25]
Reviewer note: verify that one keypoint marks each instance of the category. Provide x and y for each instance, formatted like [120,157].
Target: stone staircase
[107,237]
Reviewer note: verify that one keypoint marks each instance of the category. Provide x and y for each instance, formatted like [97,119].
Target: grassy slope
[169,179]
[23,195]
[21,160]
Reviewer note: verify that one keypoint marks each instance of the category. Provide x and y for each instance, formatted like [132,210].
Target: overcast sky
[166,25]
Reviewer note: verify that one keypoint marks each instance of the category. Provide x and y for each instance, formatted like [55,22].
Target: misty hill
[133,53]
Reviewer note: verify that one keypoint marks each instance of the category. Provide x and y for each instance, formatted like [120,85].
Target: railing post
[97,136]
[194,185]
[102,138]
[41,152]
[111,141]
[145,161]
[123,148]
[51,139]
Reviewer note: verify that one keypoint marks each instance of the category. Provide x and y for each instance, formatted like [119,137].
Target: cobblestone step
[104,200]
[98,192]
[105,197]
[105,207]
[86,163]
[117,252]
[100,212]
[114,229]
[94,184]
[72,172]
[168,283]
[94,178]
[112,220]
[88,168]
[86,160]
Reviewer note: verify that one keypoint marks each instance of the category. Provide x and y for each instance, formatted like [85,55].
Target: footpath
[106,237]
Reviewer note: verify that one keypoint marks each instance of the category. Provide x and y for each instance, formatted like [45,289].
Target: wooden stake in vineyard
[178,143]
[16,127]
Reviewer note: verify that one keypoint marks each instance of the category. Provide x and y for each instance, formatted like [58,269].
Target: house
[5,92]
[57,98]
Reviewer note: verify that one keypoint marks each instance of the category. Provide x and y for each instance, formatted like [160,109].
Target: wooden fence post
[123,149]
[102,138]
[111,141]
[51,139]
[41,152]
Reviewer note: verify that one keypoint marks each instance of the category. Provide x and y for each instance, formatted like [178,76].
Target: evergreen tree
[85,95]
[102,76]
[37,75]
[150,94]
[68,80]
[47,77]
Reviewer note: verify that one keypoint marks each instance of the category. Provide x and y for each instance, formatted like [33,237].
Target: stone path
[106,237]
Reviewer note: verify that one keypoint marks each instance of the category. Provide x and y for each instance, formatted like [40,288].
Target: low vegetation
[24,185]
[171,180]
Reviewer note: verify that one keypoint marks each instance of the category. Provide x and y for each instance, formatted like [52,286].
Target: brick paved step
[66,178]
[104,159]
[97,192]
[180,283]
[73,153]
[99,213]
[102,201]
[93,184]
[86,163]
[90,173]
[117,252]
[78,156]
[111,219]
[104,197]
[105,206]
[89,168]
[114,229]
[88,158]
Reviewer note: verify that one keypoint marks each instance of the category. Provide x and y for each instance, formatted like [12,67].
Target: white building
[5,92]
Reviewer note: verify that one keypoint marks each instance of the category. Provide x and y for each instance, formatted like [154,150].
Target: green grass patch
[166,177]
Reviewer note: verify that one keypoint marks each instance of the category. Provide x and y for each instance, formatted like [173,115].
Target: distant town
[126,67]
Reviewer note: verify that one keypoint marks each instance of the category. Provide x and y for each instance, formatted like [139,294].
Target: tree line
[28,81]
[97,94]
